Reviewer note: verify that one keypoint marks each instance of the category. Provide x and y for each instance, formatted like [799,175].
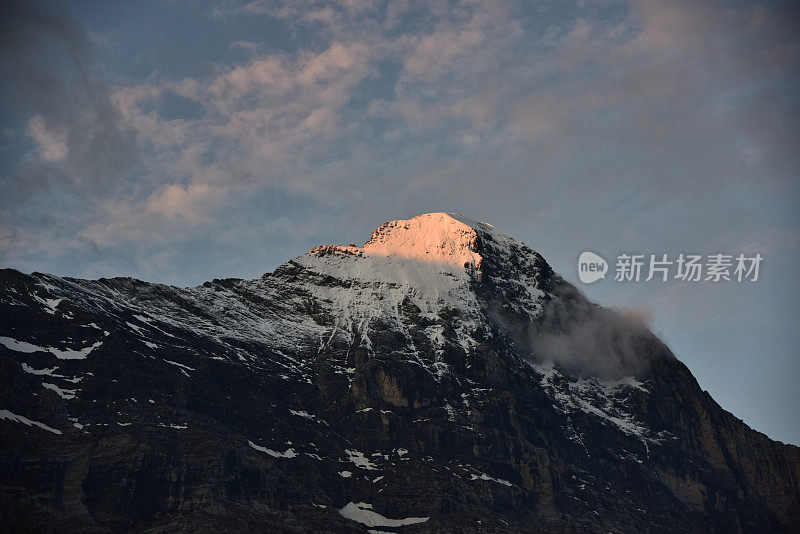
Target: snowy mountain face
[441,378]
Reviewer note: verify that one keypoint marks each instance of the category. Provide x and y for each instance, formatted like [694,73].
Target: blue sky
[181,141]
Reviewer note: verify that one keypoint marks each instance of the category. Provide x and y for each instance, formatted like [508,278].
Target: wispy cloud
[477,104]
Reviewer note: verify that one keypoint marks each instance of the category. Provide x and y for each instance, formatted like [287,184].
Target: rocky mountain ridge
[440,378]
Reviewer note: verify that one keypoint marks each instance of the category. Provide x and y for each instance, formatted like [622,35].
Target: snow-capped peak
[430,260]
[432,237]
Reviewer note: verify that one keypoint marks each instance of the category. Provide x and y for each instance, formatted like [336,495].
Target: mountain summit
[440,378]
[433,237]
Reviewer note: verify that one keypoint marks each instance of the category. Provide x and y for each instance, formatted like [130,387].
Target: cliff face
[440,378]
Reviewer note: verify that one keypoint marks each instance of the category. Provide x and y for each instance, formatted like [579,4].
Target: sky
[179,141]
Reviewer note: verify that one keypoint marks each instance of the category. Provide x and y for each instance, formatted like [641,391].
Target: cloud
[488,107]
[37,70]
[46,83]
[595,342]
[269,113]
[52,143]
[175,200]
[580,337]
[247,46]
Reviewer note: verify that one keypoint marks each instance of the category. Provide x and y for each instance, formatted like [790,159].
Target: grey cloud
[584,339]
[47,84]
[32,73]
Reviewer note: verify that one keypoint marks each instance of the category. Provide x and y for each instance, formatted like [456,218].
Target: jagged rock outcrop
[440,378]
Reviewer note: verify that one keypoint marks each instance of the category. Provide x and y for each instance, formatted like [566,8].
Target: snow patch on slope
[5,414]
[290,453]
[604,399]
[362,513]
[61,354]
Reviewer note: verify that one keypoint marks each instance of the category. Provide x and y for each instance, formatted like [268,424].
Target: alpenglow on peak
[442,238]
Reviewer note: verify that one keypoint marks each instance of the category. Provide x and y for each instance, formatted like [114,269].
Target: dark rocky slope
[442,371]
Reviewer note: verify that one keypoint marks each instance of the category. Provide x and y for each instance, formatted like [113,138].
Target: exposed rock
[440,378]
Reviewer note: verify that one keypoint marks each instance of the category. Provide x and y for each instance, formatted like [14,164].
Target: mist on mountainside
[582,338]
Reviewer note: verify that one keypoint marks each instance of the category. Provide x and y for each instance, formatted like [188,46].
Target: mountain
[441,378]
